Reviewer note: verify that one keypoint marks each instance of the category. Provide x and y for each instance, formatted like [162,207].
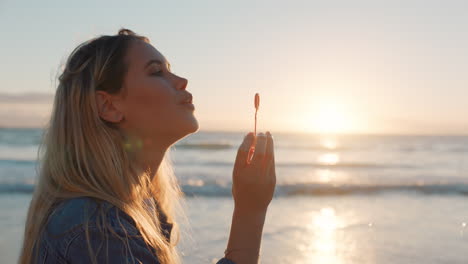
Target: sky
[393,67]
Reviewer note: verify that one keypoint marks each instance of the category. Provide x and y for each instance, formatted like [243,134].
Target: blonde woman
[106,191]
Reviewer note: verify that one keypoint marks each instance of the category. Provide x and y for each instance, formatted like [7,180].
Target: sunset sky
[319,66]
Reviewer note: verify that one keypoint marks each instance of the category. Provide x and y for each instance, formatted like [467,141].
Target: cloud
[25,110]
[30,97]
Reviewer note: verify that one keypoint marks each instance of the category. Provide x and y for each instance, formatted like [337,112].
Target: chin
[194,127]
[182,129]
[189,128]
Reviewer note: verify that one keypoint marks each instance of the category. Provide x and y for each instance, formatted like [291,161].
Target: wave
[17,162]
[204,146]
[199,188]
[225,146]
[16,188]
[312,165]
[314,147]
[350,189]
[344,165]
[317,189]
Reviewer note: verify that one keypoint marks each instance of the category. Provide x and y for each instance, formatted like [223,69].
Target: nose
[181,83]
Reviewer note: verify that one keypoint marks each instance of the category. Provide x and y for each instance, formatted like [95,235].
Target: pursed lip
[189,105]
[188,99]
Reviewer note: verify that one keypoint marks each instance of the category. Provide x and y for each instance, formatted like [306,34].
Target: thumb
[243,151]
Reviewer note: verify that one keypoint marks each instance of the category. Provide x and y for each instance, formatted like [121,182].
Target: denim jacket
[64,238]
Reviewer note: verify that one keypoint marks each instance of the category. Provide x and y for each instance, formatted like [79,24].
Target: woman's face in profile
[153,105]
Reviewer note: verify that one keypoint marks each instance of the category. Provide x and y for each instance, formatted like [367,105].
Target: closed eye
[157,73]
[159,70]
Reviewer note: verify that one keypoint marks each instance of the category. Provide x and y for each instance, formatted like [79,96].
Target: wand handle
[255,129]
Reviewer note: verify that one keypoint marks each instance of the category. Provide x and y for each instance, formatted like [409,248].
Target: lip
[189,105]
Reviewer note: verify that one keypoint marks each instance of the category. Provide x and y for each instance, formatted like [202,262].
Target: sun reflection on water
[326,220]
[329,158]
[329,143]
[322,249]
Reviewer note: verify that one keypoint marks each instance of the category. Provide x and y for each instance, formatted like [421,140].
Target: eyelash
[158,73]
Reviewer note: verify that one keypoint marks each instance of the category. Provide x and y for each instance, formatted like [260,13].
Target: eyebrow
[157,62]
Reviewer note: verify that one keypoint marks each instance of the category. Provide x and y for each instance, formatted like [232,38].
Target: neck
[147,153]
[150,160]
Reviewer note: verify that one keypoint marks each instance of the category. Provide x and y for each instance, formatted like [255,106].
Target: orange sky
[365,67]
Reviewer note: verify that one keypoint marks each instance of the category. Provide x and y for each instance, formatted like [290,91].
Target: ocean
[338,199]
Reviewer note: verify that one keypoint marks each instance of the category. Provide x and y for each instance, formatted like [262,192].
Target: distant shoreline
[300,133]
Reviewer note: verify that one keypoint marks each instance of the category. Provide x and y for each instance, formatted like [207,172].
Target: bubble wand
[256,104]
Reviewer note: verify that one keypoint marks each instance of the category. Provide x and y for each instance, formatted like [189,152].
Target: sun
[331,118]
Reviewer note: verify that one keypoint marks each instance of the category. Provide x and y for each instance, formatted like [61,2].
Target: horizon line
[297,132]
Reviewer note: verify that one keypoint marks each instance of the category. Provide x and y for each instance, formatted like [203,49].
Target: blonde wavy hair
[84,155]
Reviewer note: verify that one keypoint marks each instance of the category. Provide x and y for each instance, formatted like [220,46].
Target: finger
[270,171]
[269,148]
[272,158]
[260,149]
[243,150]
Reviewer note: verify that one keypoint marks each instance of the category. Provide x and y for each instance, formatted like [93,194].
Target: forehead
[140,53]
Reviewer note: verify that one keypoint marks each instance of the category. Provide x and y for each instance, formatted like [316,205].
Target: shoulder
[66,238]
[69,216]
[108,247]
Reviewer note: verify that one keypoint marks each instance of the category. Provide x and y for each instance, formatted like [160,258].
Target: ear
[108,107]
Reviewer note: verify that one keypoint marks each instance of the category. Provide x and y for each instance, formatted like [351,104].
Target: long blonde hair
[83,155]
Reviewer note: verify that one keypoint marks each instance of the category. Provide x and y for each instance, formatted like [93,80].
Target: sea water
[338,199]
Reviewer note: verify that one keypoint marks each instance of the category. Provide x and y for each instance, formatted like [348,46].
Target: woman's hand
[254,181]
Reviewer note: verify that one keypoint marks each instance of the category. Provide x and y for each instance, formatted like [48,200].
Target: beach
[339,199]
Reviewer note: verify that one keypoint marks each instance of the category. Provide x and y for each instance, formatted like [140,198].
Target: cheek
[151,104]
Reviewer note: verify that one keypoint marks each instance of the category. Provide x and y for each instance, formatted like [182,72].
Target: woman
[106,191]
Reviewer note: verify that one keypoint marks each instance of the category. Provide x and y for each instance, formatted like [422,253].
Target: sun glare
[331,118]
